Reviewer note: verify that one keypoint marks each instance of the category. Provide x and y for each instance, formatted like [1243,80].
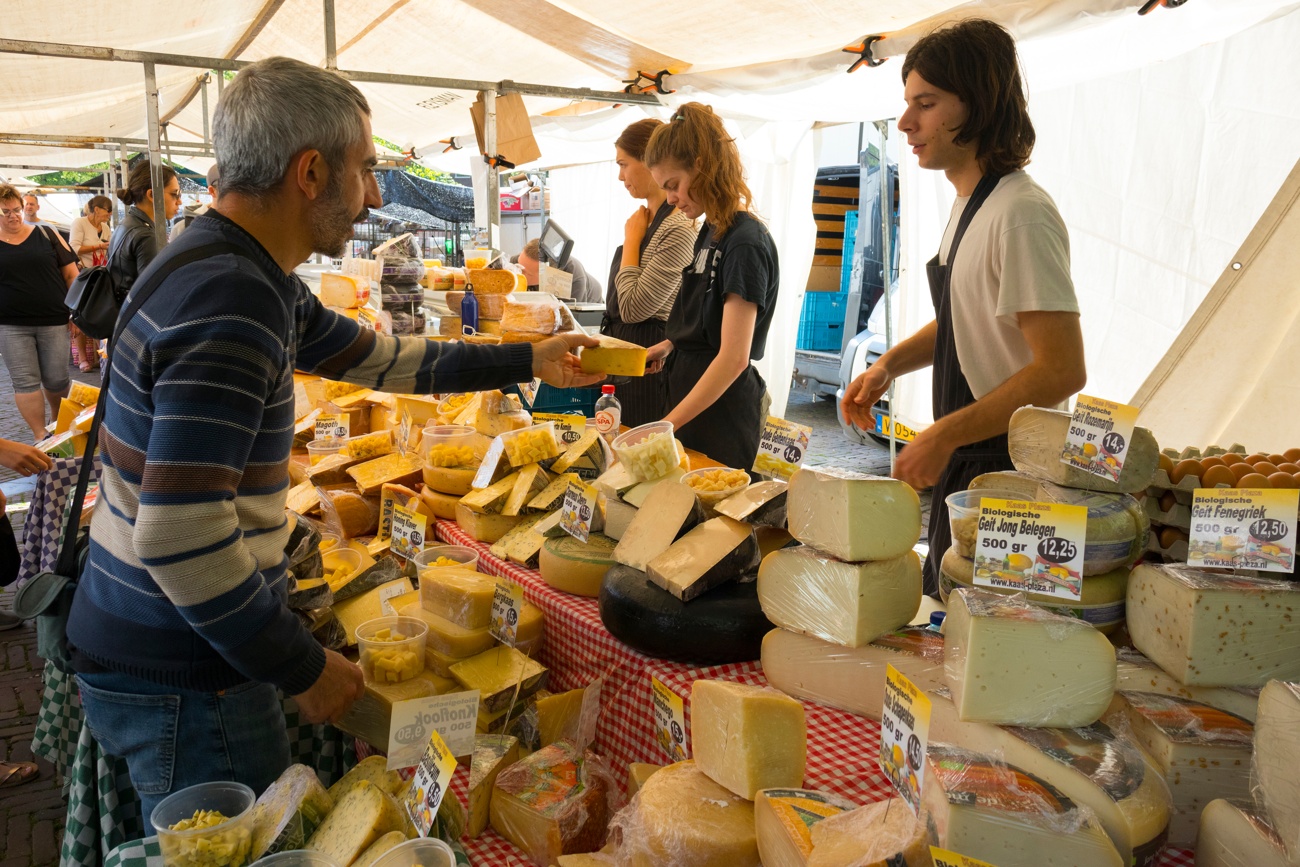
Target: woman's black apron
[729,430]
[642,397]
[952,392]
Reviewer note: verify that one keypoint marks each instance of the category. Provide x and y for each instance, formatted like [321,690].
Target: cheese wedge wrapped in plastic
[683,818]
[851,678]
[852,516]
[1118,525]
[1012,663]
[554,802]
[1203,752]
[1136,673]
[1037,436]
[1208,629]
[1097,766]
[1236,835]
[804,590]
[747,738]
[289,812]
[883,834]
[1277,743]
[1004,815]
[784,819]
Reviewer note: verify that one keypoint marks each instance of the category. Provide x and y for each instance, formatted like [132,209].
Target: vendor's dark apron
[642,397]
[729,430]
[951,393]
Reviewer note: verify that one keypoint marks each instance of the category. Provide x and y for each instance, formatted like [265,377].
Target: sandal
[17,773]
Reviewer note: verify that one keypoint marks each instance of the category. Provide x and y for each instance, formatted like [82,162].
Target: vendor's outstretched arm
[912,354]
[738,318]
[1057,371]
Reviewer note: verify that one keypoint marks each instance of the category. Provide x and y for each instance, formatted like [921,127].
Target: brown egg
[1253,480]
[1283,480]
[1215,476]
[1289,467]
[1166,464]
[1212,461]
[1292,455]
[1256,458]
[1232,458]
[1296,476]
[1241,469]
[1167,501]
[1182,469]
[1171,535]
[1277,459]
[1265,468]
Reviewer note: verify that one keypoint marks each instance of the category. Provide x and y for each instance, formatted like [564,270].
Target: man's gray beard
[332,225]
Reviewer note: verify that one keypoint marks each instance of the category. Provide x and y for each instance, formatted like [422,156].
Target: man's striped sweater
[185,584]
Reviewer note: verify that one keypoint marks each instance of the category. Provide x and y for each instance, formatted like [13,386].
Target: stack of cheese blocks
[1118,525]
[855,576]
[507,313]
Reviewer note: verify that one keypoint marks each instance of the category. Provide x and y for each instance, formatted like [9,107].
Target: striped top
[648,290]
[185,583]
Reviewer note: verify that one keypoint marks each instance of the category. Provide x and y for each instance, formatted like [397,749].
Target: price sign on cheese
[944,858]
[367,318]
[578,508]
[904,734]
[1031,547]
[507,608]
[528,390]
[568,428]
[781,448]
[1240,528]
[669,720]
[333,427]
[1098,437]
[432,777]
[453,716]
[409,528]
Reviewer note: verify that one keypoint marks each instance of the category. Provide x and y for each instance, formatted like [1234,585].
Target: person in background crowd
[36,269]
[585,287]
[31,208]
[198,210]
[1006,330]
[658,241]
[134,246]
[724,309]
[90,238]
[179,632]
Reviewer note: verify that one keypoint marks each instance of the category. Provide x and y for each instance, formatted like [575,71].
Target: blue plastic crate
[821,326]
[850,246]
[567,400]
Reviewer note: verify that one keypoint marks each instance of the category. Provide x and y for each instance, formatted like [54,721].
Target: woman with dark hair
[647,270]
[134,244]
[720,319]
[1006,330]
[90,237]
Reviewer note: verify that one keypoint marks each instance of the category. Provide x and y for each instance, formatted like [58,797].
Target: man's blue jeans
[172,739]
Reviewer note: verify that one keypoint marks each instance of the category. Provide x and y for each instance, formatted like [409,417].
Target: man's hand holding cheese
[1006,330]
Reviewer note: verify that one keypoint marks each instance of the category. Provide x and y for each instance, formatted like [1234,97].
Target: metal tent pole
[207,121]
[887,262]
[155,155]
[331,44]
[493,174]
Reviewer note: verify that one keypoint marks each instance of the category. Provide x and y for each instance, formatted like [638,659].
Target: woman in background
[724,309]
[134,245]
[90,237]
[658,241]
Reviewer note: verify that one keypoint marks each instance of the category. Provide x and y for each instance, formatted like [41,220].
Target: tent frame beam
[86,142]
[184,61]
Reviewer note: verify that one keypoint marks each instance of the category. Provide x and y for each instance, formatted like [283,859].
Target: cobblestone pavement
[31,815]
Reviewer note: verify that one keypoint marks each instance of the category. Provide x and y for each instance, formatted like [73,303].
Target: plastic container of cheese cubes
[964,516]
[647,452]
[446,555]
[319,450]
[421,852]
[223,840]
[712,485]
[392,648]
[531,444]
[340,564]
[450,445]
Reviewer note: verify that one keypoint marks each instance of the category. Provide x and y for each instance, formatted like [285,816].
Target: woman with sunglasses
[720,320]
[134,245]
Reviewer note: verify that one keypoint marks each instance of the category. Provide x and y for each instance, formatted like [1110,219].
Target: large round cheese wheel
[683,818]
[442,505]
[1102,602]
[576,567]
[450,480]
[725,624]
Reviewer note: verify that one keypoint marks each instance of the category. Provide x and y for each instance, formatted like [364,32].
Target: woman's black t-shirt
[744,262]
[32,289]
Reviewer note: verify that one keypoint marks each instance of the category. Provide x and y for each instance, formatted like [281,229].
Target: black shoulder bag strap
[67,565]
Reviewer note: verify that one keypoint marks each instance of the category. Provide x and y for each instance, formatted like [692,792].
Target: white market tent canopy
[1163,137]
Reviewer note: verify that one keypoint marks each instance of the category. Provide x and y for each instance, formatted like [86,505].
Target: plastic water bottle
[609,413]
[469,310]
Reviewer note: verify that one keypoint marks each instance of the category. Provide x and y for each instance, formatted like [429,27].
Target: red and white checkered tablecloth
[842,747]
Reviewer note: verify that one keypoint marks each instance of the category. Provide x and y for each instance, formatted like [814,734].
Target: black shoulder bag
[94,299]
[47,598]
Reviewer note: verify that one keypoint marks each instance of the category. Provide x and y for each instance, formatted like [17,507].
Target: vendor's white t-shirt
[1014,257]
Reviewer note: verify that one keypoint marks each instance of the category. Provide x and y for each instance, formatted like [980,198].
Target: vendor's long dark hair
[976,59]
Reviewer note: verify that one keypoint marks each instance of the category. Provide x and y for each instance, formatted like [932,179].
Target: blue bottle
[469,310]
